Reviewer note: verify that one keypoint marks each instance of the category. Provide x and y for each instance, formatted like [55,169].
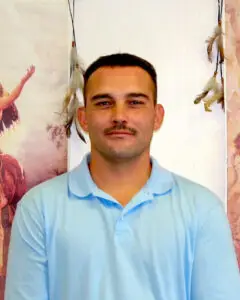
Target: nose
[119,113]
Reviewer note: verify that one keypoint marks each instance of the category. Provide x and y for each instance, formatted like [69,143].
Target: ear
[81,116]
[159,116]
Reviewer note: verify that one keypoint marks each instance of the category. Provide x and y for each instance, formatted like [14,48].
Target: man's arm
[216,275]
[27,258]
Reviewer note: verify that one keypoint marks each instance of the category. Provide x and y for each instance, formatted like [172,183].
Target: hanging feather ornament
[211,85]
[213,92]
[216,38]
[71,101]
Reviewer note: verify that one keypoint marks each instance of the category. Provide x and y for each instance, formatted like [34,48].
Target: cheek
[96,122]
[143,121]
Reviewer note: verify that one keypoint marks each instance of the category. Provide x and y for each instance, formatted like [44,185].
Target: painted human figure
[8,110]
[12,188]
[12,180]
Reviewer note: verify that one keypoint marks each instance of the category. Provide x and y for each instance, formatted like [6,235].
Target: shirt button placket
[120,227]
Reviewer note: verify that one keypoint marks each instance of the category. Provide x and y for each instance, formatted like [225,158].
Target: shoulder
[55,193]
[182,188]
[194,190]
[48,191]
[54,185]
[200,199]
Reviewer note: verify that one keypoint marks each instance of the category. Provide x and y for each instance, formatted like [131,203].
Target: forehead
[116,79]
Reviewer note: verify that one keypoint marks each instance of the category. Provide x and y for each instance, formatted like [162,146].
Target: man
[119,226]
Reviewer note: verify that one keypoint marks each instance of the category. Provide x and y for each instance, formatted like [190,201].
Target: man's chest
[152,236]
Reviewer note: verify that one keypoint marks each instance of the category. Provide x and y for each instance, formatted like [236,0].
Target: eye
[136,102]
[103,103]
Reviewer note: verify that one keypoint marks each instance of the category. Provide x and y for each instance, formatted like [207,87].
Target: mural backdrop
[233,116]
[33,78]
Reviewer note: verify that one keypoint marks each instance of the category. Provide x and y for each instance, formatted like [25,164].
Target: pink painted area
[232,53]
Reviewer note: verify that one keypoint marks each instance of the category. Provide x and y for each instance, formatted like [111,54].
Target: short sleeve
[27,258]
[215,274]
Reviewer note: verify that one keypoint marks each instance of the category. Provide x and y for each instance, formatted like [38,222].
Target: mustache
[120,126]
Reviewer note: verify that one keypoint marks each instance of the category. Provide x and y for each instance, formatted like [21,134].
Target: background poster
[33,80]
[233,116]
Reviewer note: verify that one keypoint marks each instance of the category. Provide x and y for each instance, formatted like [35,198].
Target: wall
[170,34]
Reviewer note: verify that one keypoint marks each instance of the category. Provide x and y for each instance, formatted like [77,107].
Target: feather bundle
[71,101]
[211,85]
[212,92]
[217,38]
[75,60]
[216,97]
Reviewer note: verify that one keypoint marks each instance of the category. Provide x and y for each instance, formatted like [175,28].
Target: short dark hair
[121,60]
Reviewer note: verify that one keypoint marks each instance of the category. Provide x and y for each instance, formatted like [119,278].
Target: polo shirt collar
[80,181]
[81,184]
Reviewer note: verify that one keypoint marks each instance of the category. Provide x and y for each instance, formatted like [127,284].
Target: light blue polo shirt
[72,241]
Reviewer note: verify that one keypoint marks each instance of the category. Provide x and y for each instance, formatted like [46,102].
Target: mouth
[119,133]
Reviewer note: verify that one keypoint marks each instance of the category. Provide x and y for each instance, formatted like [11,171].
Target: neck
[120,179]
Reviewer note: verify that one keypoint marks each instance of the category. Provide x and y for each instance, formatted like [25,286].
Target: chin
[116,154]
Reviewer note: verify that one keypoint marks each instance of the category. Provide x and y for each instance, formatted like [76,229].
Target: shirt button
[121,226]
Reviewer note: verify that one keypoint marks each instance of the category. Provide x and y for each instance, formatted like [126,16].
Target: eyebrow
[138,95]
[101,96]
[108,96]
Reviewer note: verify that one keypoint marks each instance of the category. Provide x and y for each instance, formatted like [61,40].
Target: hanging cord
[71,101]
[220,12]
[72,15]
[219,54]
[220,9]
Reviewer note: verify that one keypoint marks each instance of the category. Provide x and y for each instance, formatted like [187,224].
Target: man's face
[120,115]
